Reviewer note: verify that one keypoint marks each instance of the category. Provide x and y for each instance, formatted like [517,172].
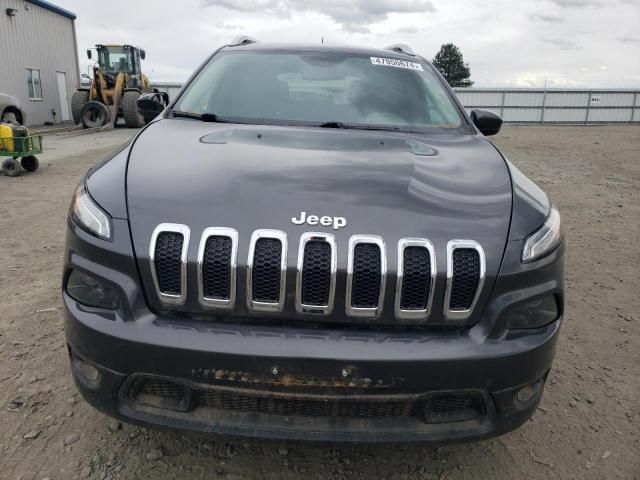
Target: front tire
[79,98]
[9,117]
[11,167]
[94,114]
[130,112]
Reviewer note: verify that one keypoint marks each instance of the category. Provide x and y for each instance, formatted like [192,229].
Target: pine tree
[450,64]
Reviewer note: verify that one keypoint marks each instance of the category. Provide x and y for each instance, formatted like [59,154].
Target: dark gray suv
[314,242]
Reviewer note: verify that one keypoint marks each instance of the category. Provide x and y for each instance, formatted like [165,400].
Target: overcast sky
[574,43]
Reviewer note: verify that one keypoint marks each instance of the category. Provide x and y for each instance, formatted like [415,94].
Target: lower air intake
[450,408]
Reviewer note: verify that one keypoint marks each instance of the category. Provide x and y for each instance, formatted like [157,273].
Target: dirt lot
[588,425]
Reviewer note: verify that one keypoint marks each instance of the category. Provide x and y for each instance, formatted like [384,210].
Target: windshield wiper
[205,117]
[336,124]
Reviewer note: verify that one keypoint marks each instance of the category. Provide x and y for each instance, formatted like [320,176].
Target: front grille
[365,287]
[266,274]
[168,262]
[433,408]
[167,394]
[316,273]
[267,270]
[317,267]
[466,276]
[416,279]
[216,268]
[292,406]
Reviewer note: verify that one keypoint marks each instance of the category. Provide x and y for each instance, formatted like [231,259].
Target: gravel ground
[588,425]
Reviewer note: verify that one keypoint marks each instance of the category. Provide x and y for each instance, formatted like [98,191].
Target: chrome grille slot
[366,276]
[266,273]
[317,265]
[465,276]
[416,278]
[217,259]
[168,260]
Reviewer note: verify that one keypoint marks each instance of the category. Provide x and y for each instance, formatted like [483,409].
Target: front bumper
[277,377]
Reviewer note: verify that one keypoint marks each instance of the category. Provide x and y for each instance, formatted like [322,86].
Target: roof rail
[401,48]
[242,40]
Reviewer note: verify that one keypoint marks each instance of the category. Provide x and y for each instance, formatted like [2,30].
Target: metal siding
[36,38]
[480,98]
[636,115]
[614,99]
[523,99]
[567,99]
[574,115]
[609,115]
[514,114]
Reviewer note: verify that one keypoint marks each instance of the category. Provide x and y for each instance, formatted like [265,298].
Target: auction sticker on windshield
[394,62]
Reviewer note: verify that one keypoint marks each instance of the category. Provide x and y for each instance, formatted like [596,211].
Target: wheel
[79,98]
[94,114]
[9,117]
[132,117]
[30,163]
[11,167]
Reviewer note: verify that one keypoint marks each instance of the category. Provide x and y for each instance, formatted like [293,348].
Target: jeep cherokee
[314,242]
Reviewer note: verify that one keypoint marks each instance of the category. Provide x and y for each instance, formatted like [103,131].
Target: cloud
[578,3]
[353,16]
[408,30]
[629,39]
[547,17]
[562,43]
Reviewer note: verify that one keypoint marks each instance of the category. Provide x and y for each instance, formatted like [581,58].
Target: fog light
[533,313]
[92,291]
[527,393]
[88,371]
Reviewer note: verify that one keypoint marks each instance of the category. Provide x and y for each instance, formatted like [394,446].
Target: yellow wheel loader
[117,84]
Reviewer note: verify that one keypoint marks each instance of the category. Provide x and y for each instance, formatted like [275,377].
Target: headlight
[543,240]
[88,215]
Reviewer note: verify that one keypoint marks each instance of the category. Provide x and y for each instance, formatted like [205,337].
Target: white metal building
[38,58]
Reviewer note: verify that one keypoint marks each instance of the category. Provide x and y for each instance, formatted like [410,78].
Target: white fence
[525,105]
[555,105]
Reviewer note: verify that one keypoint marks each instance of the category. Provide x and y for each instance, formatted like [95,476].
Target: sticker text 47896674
[394,62]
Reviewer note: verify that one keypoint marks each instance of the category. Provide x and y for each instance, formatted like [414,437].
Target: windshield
[320,87]
[115,59]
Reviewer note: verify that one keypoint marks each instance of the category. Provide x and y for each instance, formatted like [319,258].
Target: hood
[440,187]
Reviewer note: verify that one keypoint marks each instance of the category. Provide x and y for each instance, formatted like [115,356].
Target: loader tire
[79,98]
[132,117]
[94,114]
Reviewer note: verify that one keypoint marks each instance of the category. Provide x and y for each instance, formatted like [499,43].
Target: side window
[33,84]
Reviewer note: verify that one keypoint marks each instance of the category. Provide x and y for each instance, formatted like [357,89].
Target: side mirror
[84,75]
[89,53]
[487,122]
[150,105]
[143,54]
